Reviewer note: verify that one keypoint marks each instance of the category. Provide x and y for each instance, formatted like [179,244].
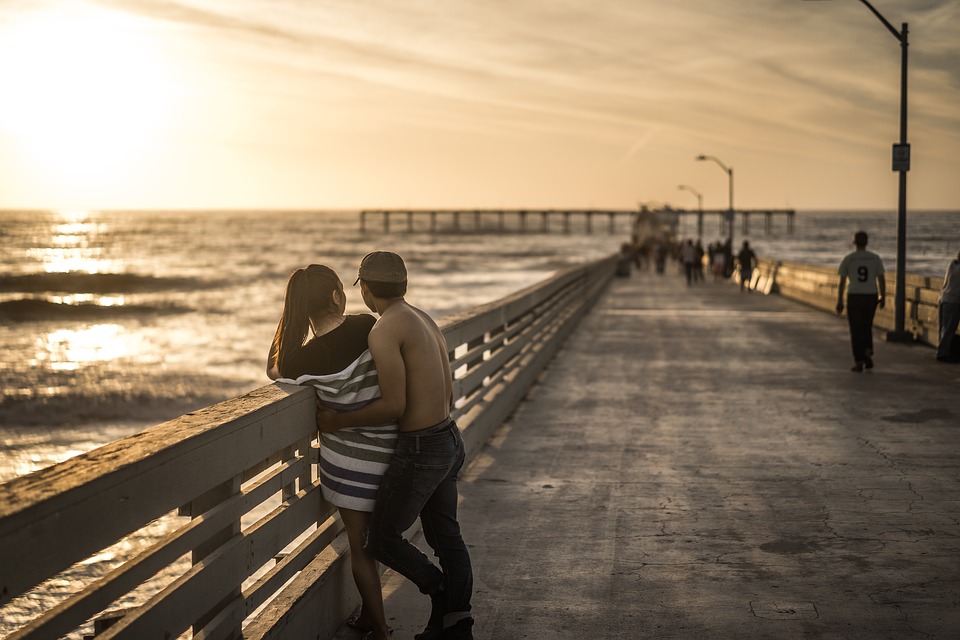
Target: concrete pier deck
[701,463]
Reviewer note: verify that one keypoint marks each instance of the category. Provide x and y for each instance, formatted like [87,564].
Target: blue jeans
[949,313]
[422,481]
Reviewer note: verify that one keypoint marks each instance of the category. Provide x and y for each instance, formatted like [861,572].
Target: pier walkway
[701,463]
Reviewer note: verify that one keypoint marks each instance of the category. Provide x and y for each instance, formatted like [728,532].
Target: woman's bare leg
[366,573]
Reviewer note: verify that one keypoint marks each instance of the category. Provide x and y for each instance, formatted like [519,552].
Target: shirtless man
[416,388]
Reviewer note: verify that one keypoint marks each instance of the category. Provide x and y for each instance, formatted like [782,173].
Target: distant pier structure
[543,220]
[725,218]
[498,220]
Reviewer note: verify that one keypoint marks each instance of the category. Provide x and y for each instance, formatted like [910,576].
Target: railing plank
[221,627]
[169,614]
[135,480]
[98,596]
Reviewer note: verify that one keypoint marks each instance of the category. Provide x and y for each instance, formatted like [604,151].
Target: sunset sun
[82,95]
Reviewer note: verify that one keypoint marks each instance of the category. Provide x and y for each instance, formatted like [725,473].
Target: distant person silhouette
[698,262]
[718,262]
[688,254]
[867,289]
[748,260]
[948,306]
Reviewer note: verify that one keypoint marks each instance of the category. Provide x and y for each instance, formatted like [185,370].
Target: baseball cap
[382,266]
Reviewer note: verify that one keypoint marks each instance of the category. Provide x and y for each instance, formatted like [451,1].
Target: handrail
[816,286]
[244,472]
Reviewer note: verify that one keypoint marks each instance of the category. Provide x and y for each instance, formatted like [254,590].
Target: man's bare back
[406,338]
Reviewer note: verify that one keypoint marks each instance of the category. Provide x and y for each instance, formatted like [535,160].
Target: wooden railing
[817,286]
[267,557]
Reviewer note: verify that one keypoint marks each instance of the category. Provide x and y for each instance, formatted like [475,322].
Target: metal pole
[900,308]
[731,214]
[699,195]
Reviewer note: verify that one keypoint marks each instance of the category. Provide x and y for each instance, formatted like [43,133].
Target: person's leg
[442,532]
[366,574]
[419,465]
[853,320]
[949,317]
[870,311]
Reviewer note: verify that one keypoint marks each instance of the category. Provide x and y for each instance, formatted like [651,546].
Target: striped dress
[352,460]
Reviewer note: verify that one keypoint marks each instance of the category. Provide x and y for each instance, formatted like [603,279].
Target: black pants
[860,311]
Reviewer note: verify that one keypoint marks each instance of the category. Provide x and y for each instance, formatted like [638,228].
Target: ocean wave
[141,404]
[35,309]
[100,283]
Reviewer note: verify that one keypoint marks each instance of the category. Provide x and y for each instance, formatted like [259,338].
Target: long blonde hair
[309,295]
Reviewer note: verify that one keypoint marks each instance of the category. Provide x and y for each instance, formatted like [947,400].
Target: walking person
[698,261]
[867,289]
[948,306]
[417,389]
[688,256]
[718,262]
[748,260]
[352,461]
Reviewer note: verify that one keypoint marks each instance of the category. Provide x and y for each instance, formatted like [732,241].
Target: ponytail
[309,295]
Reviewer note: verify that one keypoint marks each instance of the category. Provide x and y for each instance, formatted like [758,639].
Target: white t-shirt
[951,283]
[861,268]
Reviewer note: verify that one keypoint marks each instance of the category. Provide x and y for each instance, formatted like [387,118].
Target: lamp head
[701,157]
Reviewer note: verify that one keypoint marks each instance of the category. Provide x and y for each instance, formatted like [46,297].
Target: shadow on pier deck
[701,463]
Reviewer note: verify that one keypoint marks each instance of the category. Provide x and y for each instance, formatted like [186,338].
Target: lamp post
[684,187]
[729,171]
[901,164]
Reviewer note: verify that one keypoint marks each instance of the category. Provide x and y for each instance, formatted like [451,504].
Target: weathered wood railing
[267,554]
[817,286]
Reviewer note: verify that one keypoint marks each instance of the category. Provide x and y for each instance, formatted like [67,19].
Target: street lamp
[729,171]
[901,164]
[684,187]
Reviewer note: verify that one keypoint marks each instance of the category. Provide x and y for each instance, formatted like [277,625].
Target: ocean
[113,321]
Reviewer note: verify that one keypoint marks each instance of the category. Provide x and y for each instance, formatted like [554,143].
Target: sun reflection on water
[89,298]
[73,245]
[71,349]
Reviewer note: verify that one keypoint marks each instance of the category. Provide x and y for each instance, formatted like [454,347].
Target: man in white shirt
[867,289]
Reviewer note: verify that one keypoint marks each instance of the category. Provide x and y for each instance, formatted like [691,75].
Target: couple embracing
[389,450]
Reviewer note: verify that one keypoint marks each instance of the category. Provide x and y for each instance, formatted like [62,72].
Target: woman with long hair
[337,362]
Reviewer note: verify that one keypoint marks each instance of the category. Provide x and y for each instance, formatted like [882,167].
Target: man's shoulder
[398,317]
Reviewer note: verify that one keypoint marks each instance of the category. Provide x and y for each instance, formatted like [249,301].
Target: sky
[341,104]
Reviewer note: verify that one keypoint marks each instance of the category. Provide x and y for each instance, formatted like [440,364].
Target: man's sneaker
[463,630]
[434,627]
